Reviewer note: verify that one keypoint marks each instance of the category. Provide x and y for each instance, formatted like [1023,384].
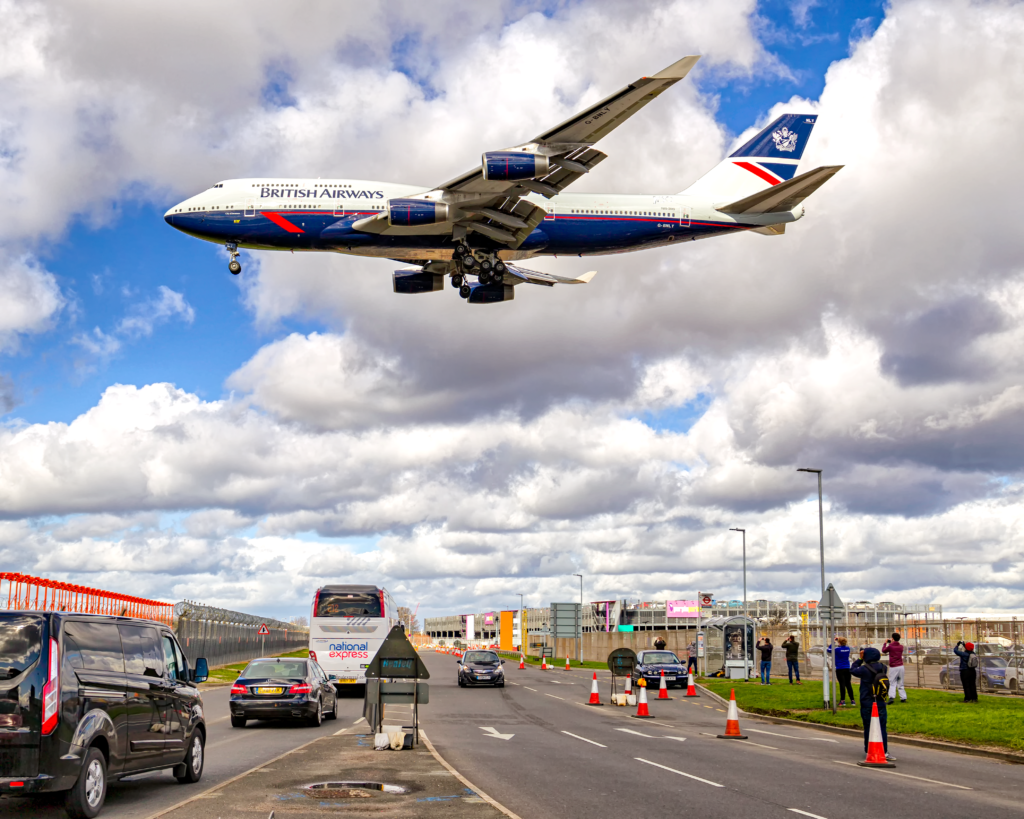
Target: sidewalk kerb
[492,802]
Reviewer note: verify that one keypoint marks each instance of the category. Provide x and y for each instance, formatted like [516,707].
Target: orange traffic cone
[876,750]
[691,689]
[595,697]
[543,663]
[522,662]
[663,689]
[641,701]
[732,719]
[567,666]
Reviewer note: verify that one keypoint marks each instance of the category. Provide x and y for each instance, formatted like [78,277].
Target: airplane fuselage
[319,214]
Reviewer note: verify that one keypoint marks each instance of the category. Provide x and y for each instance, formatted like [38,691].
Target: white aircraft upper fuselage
[513,207]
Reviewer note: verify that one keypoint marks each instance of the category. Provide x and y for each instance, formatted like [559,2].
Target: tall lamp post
[746,666]
[522,629]
[826,672]
[579,629]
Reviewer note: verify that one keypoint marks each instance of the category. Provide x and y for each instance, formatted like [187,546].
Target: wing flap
[785,196]
[547,279]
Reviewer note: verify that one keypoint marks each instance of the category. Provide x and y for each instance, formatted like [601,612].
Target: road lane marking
[554,697]
[790,736]
[748,742]
[534,690]
[339,733]
[637,733]
[681,773]
[805,813]
[908,776]
[584,739]
[493,732]
[361,719]
[495,804]
[677,739]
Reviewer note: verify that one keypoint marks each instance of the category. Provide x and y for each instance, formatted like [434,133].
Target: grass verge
[229,673]
[994,721]
[554,662]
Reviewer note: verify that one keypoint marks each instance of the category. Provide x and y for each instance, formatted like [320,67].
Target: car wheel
[1013,686]
[238,722]
[333,714]
[85,799]
[194,760]
[318,715]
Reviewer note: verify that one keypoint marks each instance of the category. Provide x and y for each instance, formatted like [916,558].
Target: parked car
[92,698]
[650,664]
[931,656]
[283,688]
[991,673]
[481,667]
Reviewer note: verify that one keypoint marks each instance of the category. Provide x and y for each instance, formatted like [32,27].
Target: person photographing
[894,649]
[968,669]
[874,690]
[841,653]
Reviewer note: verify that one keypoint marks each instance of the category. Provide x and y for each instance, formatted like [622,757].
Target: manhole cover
[351,790]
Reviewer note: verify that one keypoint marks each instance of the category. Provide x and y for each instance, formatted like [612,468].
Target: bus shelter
[724,641]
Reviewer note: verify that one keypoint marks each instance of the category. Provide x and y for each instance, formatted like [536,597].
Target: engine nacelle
[416,212]
[417,281]
[511,166]
[490,293]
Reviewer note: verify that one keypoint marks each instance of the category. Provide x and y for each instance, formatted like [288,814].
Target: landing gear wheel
[484,277]
[238,722]
[465,290]
[486,265]
[499,267]
[85,799]
[461,250]
[193,761]
[468,262]
[457,280]
[234,267]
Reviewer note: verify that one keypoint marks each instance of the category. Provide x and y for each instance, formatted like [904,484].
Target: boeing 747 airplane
[476,228]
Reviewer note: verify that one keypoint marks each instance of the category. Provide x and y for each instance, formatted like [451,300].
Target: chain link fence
[223,636]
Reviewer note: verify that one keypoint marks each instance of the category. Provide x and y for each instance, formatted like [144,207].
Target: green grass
[555,662]
[993,721]
[229,673]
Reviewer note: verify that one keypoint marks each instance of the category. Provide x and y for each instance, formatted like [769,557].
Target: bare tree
[411,622]
[300,620]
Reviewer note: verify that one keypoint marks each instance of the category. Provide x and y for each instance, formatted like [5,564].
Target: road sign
[700,643]
[706,599]
[396,658]
[831,607]
[621,662]
[263,630]
[565,620]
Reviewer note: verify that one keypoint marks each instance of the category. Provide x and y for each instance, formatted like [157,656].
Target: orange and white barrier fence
[27,592]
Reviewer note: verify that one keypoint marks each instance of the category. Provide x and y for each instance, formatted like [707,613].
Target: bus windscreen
[338,604]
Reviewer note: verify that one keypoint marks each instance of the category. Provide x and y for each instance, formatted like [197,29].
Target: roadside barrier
[595,696]
[876,750]
[567,666]
[663,689]
[641,701]
[691,689]
[732,719]
[27,592]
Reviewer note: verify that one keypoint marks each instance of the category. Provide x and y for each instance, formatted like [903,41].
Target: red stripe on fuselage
[280,221]
[756,170]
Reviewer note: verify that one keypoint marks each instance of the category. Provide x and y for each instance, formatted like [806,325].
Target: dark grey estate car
[89,698]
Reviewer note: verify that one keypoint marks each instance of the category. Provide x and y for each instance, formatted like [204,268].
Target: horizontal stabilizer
[785,196]
[547,279]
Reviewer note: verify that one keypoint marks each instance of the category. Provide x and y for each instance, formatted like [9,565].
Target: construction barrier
[40,594]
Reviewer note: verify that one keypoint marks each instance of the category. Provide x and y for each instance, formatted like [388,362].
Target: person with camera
[792,657]
[765,647]
[691,657]
[843,677]
[660,643]
[894,648]
[874,690]
[968,669]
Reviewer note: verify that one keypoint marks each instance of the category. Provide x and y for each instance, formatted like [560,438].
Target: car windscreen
[480,657]
[21,641]
[341,604]
[659,658]
[993,662]
[274,668]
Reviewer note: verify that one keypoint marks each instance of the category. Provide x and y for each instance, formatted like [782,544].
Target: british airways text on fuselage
[318,193]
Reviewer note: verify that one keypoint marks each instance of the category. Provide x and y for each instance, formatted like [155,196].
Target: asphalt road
[572,761]
[229,751]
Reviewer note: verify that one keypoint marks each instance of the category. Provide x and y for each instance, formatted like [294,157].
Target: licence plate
[347,680]
[267,690]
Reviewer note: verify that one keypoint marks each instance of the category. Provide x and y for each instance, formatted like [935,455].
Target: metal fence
[224,637]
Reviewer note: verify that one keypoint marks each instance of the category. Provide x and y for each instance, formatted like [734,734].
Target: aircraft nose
[169,217]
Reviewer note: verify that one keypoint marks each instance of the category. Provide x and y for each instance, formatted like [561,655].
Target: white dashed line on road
[562,698]
[635,733]
[681,773]
[747,742]
[908,776]
[790,736]
[534,690]
[803,812]
[584,739]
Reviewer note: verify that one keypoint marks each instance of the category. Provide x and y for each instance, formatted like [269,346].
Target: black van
[87,698]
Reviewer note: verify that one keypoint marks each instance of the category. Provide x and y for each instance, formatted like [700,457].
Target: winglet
[586,277]
[677,70]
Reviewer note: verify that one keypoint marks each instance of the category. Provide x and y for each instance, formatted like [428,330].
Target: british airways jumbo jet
[476,228]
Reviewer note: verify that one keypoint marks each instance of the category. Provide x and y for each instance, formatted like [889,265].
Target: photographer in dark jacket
[866,669]
[968,672]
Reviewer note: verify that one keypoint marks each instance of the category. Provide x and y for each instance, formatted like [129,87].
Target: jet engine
[417,281]
[416,212]
[490,293]
[510,166]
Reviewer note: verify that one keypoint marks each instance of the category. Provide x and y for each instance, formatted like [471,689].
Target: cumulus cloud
[31,298]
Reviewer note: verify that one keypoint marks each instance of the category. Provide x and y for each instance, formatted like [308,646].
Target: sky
[173,431]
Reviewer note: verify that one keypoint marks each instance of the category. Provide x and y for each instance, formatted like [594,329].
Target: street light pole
[825,671]
[522,630]
[579,629]
[746,667]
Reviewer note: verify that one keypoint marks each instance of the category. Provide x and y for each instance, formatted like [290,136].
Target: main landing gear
[486,266]
[233,265]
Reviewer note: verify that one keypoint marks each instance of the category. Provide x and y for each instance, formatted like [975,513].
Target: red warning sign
[263,629]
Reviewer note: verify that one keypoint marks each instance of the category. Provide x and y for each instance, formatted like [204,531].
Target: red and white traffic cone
[567,666]
[732,719]
[691,689]
[641,701]
[543,663]
[663,689]
[876,750]
[522,662]
[629,686]
[595,697]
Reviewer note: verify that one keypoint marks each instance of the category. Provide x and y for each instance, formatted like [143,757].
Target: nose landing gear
[233,265]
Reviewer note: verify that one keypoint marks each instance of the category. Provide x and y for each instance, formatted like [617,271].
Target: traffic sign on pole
[263,630]
[831,607]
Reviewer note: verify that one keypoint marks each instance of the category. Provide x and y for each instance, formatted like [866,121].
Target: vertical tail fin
[769,158]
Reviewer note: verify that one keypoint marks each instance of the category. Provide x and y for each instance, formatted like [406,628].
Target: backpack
[880,684]
[972,660]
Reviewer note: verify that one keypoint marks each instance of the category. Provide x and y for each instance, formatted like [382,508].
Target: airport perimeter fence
[224,637]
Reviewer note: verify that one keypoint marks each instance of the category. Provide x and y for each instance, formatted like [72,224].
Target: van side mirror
[201,673]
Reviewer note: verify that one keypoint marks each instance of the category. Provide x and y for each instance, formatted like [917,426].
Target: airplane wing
[546,279]
[489,199]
